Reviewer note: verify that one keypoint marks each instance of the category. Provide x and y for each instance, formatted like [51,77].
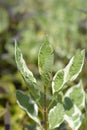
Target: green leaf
[72,114]
[58,81]
[4,19]
[74,67]
[27,104]
[77,95]
[45,62]
[26,73]
[69,73]
[2,111]
[67,111]
[56,116]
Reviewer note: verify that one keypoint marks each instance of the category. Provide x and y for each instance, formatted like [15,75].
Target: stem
[40,107]
[45,109]
[7,118]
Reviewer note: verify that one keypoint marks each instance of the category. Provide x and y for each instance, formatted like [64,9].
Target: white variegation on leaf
[65,112]
[72,114]
[77,95]
[39,128]
[58,81]
[74,67]
[68,107]
[26,73]
[73,117]
[45,62]
[27,104]
[69,73]
[56,116]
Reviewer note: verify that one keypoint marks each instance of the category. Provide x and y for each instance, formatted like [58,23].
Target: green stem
[40,107]
[45,109]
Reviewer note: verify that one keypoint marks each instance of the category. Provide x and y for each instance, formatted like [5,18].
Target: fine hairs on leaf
[50,110]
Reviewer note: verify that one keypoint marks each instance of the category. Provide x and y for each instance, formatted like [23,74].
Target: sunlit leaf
[26,73]
[69,73]
[58,81]
[56,116]
[45,61]
[74,67]
[67,111]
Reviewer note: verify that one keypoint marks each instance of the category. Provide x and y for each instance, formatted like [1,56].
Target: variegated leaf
[77,95]
[45,62]
[69,73]
[74,67]
[58,81]
[56,116]
[72,114]
[26,73]
[27,104]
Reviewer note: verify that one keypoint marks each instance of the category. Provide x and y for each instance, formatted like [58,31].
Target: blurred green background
[29,21]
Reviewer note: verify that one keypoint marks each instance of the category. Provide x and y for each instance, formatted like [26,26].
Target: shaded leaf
[77,95]
[2,111]
[72,114]
[27,104]
[4,19]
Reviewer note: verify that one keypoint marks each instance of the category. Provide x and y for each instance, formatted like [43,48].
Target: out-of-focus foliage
[3,20]
[28,21]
